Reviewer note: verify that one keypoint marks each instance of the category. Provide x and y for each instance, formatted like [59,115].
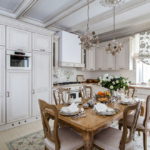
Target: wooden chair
[61,95]
[143,124]
[57,138]
[130,92]
[114,139]
[86,92]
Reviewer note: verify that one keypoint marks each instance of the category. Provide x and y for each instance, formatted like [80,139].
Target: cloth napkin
[70,109]
[99,107]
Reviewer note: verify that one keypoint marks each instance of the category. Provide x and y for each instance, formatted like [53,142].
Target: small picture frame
[80,78]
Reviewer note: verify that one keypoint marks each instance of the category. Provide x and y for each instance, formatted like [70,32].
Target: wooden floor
[11,134]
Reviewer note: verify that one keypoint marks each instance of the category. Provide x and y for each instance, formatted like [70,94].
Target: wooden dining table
[91,124]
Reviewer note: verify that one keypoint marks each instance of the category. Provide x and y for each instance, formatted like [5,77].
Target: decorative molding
[24,26]
[24,7]
[106,15]
[66,13]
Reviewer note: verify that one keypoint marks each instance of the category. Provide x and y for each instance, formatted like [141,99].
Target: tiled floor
[15,133]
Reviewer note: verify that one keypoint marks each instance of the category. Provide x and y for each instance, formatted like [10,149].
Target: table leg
[88,141]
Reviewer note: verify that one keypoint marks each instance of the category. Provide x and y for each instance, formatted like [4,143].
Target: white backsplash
[69,74]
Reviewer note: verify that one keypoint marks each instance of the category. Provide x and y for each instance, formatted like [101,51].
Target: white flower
[117,81]
[111,87]
[113,83]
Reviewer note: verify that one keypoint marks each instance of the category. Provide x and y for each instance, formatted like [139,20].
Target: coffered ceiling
[71,15]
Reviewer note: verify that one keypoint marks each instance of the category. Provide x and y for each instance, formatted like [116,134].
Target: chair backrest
[86,92]
[50,134]
[61,95]
[130,91]
[127,138]
[147,113]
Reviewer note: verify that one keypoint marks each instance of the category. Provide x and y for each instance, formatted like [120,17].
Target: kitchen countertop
[140,86]
[73,85]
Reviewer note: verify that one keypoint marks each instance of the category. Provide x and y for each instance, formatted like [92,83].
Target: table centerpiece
[114,83]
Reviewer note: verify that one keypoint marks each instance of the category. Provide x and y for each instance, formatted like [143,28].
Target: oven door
[18,60]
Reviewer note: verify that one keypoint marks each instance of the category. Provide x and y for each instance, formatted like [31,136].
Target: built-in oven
[18,60]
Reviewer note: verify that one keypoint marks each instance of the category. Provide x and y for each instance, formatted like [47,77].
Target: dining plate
[69,113]
[127,103]
[108,113]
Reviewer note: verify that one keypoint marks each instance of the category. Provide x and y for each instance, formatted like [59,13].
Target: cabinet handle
[110,68]
[121,68]
[7,94]
[42,50]
[20,50]
[33,91]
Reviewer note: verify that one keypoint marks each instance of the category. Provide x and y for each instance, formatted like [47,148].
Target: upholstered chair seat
[68,138]
[109,139]
[114,139]
[140,123]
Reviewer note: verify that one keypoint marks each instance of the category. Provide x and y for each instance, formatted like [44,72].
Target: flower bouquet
[114,83]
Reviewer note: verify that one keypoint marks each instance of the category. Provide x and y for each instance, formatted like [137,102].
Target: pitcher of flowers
[114,83]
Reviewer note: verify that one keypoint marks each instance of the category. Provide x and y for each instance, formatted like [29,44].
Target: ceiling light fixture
[88,40]
[110,3]
[114,46]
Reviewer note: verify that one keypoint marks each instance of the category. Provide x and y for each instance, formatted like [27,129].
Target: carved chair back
[61,95]
[130,92]
[147,113]
[127,138]
[86,92]
[49,133]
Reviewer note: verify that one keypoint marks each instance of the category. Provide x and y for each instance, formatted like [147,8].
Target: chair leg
[139,134]
[120,126]
[145,140]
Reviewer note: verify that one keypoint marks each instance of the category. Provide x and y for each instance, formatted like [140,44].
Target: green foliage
[114,84]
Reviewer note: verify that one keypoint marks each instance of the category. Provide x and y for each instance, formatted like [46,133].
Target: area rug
[34,141]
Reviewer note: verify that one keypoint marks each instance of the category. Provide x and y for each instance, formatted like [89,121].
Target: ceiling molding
[67,12]
[106,15]
[125,28]
[24,7]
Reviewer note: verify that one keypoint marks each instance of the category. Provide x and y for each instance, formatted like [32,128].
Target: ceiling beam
[67,12]
[125,28]
[24,7]
[106,15]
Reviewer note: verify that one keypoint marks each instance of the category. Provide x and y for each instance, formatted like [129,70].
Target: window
[143,72]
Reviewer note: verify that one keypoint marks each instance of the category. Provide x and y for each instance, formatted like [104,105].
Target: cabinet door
[18,39]
[123,58]
[2,85]
[2,35]
[41,79]
[41,42]
[18,95]
[108,61]
[99,59]
[90,59]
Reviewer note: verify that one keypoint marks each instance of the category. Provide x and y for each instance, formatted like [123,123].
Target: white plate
[108,113]
[69,113]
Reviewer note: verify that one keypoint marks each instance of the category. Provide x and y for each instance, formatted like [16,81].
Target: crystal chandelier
[110,3]
[88,39]
[114,46]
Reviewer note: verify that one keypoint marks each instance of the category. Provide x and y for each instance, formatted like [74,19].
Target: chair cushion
[109,139]
[68,138]
[139,123]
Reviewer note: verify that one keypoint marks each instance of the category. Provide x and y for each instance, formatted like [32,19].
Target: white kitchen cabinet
[90,59]
[18,40]
[70,53]
[124,60]
[2,35]
[41,79]
[18,95]
[41,42]
[2,85]
[99,58]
